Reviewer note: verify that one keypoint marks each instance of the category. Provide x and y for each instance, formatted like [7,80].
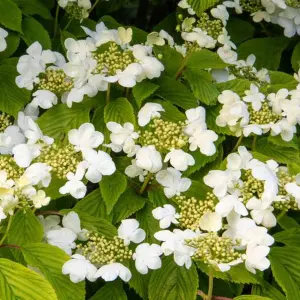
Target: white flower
[184,5]
[112,271]
[172,182]
[2,214]
[99,164]
[79,50]
[254,97]
[86,137]
[40,199]
[38,173]
[79,268]
[50,223]
[74,185]
[154,38]
[261,212]
[72,222]
[195,119]
[227,54]
[256,258]
[179,159]
[125,35]
[220,12]
[294,189]
[166,215]
[211,221]
[3,35]
[147,257]
[44,99]
[230,203]
[149,158]
[277,99]
[200,37]
[240,160]
[129,231]
[9,138]
[133,171]
[149,111]
[62,238]
[24,154]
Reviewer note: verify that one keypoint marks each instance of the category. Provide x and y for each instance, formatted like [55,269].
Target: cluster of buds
[76,12]
[251,6]
[293,3]
[62,158]
[8,164]
[164,135]
[264,116]
[5,121]
[101,250]
[212,27]
[251,187]
[191,210]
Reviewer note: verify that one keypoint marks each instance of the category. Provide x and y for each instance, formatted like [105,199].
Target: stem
[254,143]
[127,92]
[49,212]
[108,93]
[68,24]
[10,246]
[210,284]
[146,181]
[56,21]
[185,60]
[239,141]
[281,215]
[203,295]
[94,5]
[7,229]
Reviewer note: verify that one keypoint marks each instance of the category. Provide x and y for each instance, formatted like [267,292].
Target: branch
[10,246]
[203,295]
[49,212]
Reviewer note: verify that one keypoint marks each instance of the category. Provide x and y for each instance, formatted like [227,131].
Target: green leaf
[294,169]
[270,291]
[12,98]
[174,91]
[237,85]
[112,187]
[287,222]
[18,282]
[25,229]
[10,15]
[200,6]
[13,41]
[93,204]
[280,80]
[171,113]
[34,31]
[204,59]
[289,237]
[237,274]
[143,90]
[239,30]
[286,269]
[296,58]
[59,119]
[277,140]
[202,86]
[263,49]
[50,259]
[251,297]
[173,282]
[128,203]
[157,196]
[120,111]
[34,7]
[111,291]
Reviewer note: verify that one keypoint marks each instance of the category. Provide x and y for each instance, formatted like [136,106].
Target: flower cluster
[77,9]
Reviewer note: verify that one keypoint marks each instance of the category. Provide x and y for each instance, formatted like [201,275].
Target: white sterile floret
[294,189]
[200,37]
[112,271]
[172,182]
[179,159]
[254,97]
[148,112]
[98,164]
[9,138]
[129,231]
[256,258]
[166,215]
[146,257]
[125,35]
[277,99]
[79,50]
[40,199]
[44,99]
[85,137]
[231,203]
[122,137]
[49,223]
[148,158]
[79,268]
[261,212]
[38,173]
[211,221]
[25,153]
[3,35]
[195,118]
[240,160]
[227,54]
[184,5]
[74,185]
[220,12]
[133,171]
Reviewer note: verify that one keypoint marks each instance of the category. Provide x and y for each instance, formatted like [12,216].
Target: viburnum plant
[153,162]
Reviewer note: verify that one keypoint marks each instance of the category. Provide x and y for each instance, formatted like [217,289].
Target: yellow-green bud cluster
[113,59]
[264,116]
[8,164]
[164,135]
[24,202]
[191,210]
[212,27]
[293,3]
[62,158]
[246,72]
[212,247]
[251,6]
[101,250]
[252,187]
[76,12]
[5,121]
[290,203]
[55,81]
